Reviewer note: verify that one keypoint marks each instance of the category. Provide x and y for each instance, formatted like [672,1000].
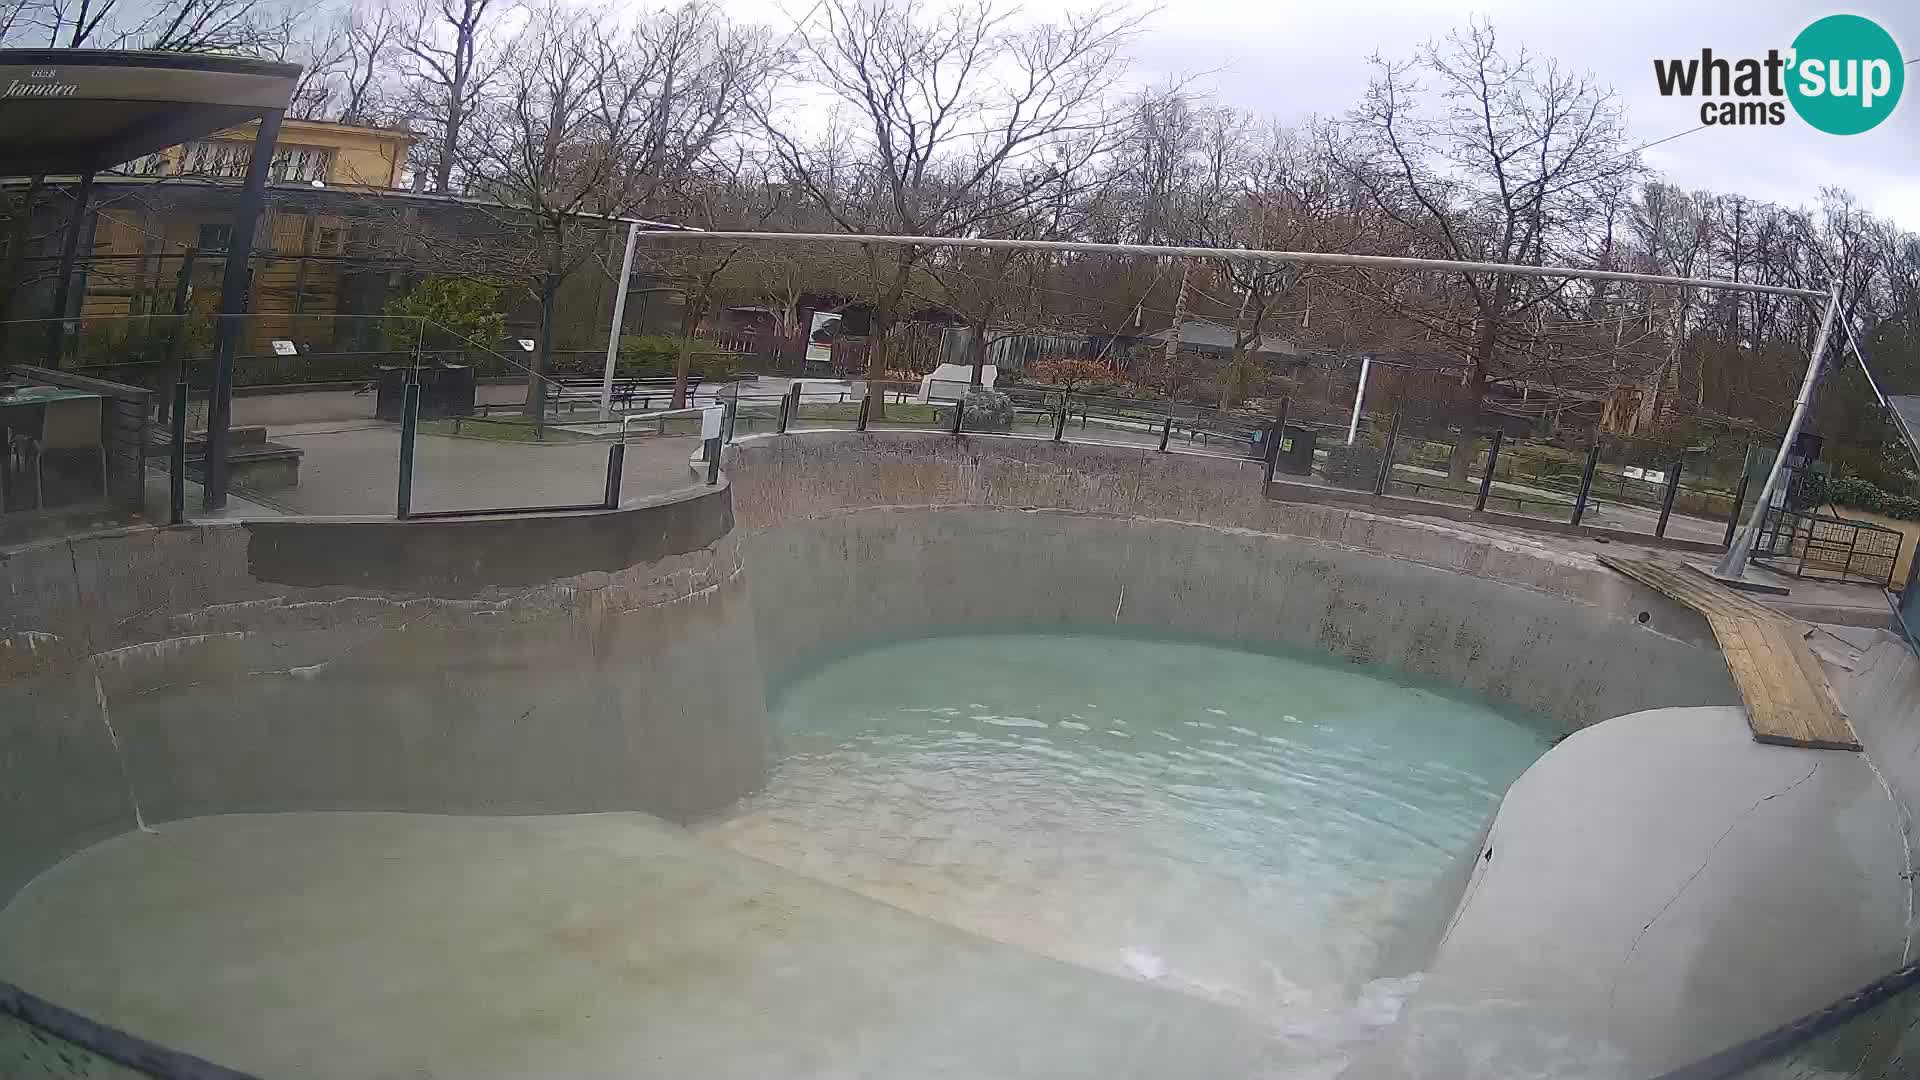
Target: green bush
[1851,491]
[455,310]
[653,356]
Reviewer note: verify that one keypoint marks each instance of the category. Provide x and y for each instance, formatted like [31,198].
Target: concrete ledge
[552,663]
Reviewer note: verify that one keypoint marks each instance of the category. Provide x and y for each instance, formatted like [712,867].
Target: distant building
[1212,339]
[326,258]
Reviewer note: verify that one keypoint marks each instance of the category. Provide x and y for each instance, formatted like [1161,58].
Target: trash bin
[389,392]
[450,392]
[1296,451]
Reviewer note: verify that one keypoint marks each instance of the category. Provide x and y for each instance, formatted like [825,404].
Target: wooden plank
[1788,699]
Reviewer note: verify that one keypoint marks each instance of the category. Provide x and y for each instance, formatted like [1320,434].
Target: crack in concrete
[1626,962]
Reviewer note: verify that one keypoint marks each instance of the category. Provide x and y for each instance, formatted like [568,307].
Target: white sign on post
[710,422]
[825,324]
[285,348]
[526,343]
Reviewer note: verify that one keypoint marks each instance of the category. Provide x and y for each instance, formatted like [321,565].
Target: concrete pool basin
[619,663]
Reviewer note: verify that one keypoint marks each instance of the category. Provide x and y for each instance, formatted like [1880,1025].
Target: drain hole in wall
[1644,616]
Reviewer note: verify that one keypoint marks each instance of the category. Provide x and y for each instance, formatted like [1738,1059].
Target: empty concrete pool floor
[608,945]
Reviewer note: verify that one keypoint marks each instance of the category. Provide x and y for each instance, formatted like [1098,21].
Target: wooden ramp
[1788,699]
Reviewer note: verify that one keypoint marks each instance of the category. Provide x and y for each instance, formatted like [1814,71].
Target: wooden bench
[580,390]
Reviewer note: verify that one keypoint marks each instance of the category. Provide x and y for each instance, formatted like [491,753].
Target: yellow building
[181,199]
[338,155]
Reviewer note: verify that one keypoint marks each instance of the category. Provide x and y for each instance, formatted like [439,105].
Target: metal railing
[1813,546]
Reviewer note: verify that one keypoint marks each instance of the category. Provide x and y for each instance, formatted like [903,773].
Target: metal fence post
[1166,430]
[1666,500]
[1275,438]
[786,406]
[733,410]
[1486,479]
[1586,482]
[959,414]
[1060,420]
[713,462]
[177,492]
[616,465]
[866,405]
[1739,499]
[409,426]
[1386,461]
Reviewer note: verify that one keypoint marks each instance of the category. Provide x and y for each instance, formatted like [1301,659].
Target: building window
[227,159]
[302,164]
[224,158]
[215,238]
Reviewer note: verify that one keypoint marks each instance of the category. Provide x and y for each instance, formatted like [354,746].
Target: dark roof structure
[72,111]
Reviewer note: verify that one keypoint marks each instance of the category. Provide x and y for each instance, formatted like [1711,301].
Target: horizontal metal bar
[1323,258]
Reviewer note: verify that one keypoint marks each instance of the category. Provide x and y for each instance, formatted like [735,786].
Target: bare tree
[235,26]
[342,63]
[947,120]
[588,124]
[1500,160]
[450,53]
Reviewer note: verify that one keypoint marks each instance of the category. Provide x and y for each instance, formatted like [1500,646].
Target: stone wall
[555,663]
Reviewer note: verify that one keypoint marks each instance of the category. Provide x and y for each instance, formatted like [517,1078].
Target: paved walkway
[355,470]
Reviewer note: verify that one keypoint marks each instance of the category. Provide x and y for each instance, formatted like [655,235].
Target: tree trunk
[977,348]
[683,363]
[1468,416]
[449,141]
[879,328]
[536,405]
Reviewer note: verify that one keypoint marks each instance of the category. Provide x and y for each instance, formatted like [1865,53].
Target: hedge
[1851,491]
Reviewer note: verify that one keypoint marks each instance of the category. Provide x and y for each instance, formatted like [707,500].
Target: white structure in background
[949,382]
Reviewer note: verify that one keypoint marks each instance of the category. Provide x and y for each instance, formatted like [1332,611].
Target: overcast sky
[1296,58]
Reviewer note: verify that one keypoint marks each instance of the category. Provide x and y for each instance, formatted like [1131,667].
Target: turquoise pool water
[1266,831]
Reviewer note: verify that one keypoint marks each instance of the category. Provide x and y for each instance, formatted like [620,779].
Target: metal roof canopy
[77,111]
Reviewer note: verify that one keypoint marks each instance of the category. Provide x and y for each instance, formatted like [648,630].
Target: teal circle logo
[1846,75]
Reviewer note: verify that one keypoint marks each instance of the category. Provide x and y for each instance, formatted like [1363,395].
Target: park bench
[578,390]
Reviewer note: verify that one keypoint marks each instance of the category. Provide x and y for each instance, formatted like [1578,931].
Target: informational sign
[826,324]
[526,343]
[710,422]
[285,348]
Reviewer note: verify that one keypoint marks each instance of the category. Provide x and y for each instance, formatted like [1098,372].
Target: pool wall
[619,660]
[857,536]
[552,664]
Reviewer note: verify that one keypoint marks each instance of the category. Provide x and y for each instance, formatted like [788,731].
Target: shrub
[466,311]
[1851,491]
[653,356]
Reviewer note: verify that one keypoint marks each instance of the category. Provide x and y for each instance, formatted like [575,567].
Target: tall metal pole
[1733,565]
[234,283]
[1359,397]
[63,287]
[619,321]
